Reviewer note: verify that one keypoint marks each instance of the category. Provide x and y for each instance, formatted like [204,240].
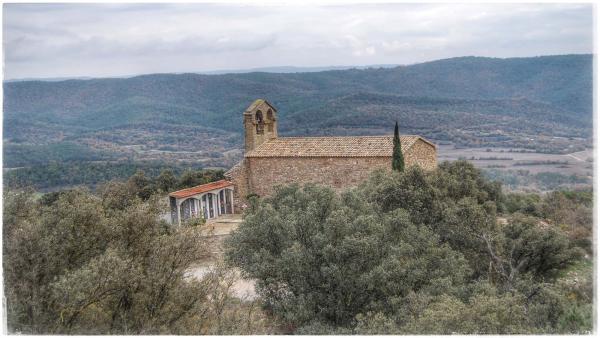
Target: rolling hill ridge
[517,102]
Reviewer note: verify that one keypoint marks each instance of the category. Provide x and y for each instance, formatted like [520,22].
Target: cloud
[50,40]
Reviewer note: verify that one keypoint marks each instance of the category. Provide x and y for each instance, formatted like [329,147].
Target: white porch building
[209,201]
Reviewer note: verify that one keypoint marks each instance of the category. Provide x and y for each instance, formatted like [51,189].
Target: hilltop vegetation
[418,253]
[82,263]
[413,252]
[517,102]
[60,174]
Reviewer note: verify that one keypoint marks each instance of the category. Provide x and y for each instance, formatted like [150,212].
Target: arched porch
[209,201]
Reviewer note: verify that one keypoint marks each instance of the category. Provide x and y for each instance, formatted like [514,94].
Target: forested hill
[509,99]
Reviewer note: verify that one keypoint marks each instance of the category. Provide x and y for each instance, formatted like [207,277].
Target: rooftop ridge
[187,192]
[344,136]
[333,146]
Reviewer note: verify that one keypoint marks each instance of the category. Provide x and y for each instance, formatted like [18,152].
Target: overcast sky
[67,40]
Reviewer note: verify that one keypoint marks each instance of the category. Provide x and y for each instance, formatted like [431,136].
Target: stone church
[269,160]
[337,162]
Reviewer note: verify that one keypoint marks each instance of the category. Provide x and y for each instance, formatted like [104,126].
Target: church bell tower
[260,124]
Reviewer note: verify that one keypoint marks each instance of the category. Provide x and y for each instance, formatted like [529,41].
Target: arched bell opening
[260,123]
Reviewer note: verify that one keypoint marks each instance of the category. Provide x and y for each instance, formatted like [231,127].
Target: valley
[525,121]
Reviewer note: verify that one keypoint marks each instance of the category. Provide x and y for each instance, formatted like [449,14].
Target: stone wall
[238,175]
[336,172]
[422,154]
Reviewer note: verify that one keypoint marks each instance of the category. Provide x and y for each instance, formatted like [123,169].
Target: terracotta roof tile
[338,146]
[183,193]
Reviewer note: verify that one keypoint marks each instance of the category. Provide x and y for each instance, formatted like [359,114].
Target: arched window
[260,123]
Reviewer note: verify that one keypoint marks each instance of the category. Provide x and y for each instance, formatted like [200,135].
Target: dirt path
[575,157]
[218,231]
[242,288]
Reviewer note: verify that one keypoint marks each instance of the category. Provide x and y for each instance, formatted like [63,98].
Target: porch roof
[199,189]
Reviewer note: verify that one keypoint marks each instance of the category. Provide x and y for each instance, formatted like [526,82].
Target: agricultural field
[521,169]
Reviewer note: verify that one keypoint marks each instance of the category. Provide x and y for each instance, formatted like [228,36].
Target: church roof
[337,146]
[257,103]
[199,189]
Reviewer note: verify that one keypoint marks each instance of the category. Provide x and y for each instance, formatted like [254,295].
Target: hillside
[516,102]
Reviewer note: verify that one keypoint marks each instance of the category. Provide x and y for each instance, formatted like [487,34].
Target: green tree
[42,244]
[522,247]
[166,181]
[320,256]
[397,156]
[190,178]
[141,185]
[77,263]
[485,313]
[407,252]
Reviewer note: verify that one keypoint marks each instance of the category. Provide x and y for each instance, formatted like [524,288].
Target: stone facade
[421,153]
[238,176]
[337,162]
[335,172]
[260,124]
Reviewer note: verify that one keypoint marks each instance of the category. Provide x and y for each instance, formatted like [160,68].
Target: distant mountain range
[278,69]
[292,69]
[514,102]
[53,79]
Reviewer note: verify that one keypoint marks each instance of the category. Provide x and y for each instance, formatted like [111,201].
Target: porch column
[201,206]
[230,191]
[219,203]
[215,205]
[178,203]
